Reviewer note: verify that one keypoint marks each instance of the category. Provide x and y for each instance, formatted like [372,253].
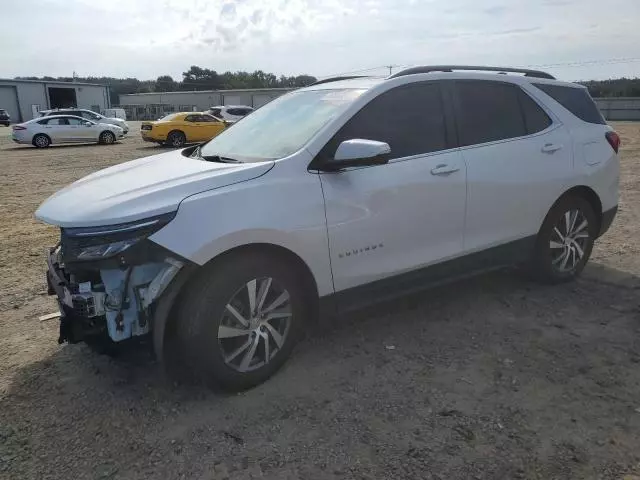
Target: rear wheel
[240,320]
[41,141]
[176,139]
[107,138]
[565,241]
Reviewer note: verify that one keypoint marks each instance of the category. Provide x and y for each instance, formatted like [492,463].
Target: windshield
[282,126]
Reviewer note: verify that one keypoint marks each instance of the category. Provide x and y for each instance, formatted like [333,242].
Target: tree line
[619,87]
[196,78]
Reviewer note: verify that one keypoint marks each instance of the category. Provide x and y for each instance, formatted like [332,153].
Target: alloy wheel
[255,324]
[569,240]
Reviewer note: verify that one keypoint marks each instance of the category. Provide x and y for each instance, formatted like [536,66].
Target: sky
[572,39]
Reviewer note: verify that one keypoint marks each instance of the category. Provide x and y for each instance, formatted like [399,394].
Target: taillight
[19,127]
[614,140]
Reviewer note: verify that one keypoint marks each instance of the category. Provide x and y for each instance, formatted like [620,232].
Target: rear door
[58,129]
[519,161]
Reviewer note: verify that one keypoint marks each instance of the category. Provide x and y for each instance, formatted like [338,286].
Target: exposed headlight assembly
[106,241]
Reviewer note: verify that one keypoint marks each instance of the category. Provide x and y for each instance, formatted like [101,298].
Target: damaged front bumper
[107,300]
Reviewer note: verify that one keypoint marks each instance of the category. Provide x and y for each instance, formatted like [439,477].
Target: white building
[150,106]
[24,98]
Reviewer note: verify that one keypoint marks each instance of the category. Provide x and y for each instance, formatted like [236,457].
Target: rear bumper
[607,220]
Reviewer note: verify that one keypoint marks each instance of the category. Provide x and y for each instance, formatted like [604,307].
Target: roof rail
[451,68]
[336,79]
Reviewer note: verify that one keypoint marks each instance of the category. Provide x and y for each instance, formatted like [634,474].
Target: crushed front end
[108,279]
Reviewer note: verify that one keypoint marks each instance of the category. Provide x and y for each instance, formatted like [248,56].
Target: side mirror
[359,153]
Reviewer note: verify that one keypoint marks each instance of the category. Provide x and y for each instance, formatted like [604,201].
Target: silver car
[88,115]
[56,129]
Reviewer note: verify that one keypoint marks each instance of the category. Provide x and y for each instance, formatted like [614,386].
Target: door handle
[551,147]
[443,169]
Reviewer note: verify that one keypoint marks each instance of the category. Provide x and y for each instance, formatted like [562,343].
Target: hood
[140,188]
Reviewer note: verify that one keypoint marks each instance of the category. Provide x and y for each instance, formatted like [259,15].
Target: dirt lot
[492,378]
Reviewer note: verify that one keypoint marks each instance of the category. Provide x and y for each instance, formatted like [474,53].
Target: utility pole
[390,67]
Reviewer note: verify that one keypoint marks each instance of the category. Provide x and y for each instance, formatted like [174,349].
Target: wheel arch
[589,195]
[164,320]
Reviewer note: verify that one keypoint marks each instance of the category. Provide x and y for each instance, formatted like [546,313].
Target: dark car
[5,119]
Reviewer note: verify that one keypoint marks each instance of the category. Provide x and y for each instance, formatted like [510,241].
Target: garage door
[260,100]
[9,101]
[232,100]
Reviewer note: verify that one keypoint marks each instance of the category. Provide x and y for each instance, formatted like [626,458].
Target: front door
[519,162]
[387,220]
[209,127]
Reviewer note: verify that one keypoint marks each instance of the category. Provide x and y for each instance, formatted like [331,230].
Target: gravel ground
[495,377]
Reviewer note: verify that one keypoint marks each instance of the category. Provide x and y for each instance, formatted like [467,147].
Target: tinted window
[488,111]
[89,115]
[535,118]
[410,119]
[58,121]
[208,118]
[191,118]
[216,112]
[576,100]
[238,111]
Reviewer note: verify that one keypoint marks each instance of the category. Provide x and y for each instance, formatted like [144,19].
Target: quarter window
[409,118]
[535,118]
[487,111]
[575,99]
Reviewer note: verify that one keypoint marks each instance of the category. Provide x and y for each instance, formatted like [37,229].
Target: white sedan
[56,129]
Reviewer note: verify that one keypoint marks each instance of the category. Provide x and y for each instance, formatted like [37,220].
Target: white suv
[231,113]
[333,196]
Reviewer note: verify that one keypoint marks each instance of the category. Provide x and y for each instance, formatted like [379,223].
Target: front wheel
[565,241]
[107,138]
[240,320]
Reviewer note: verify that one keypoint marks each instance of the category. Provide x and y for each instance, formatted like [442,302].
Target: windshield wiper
[219,159]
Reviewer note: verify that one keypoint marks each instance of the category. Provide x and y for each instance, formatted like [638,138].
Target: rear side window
[488,111]
[576,100]
[535,118]
[410,119]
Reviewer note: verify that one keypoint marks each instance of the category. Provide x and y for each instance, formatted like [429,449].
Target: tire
[107,138]
[41,141]
[216,347]
[559,257]
[176,139]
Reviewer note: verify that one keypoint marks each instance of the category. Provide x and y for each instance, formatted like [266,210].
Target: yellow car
[178,129]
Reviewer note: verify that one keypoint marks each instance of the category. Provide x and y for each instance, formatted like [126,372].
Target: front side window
[208,118]
[192,118]
[487,111]
[76,121]
[409,118]
[281,127]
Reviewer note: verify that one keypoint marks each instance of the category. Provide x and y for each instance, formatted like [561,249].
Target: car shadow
[22,148]
[496,349]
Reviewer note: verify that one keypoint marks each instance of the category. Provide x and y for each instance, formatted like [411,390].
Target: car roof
[517,76]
